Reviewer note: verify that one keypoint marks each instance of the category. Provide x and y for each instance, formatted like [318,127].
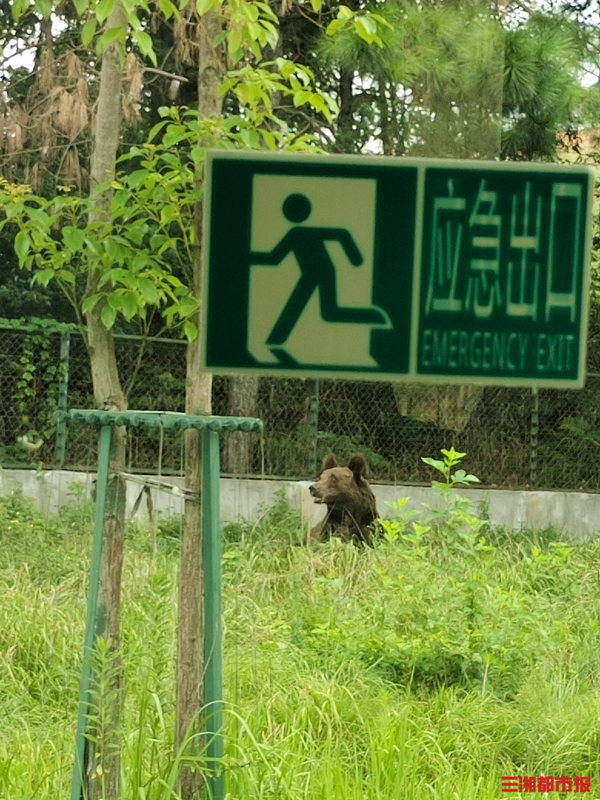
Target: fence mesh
[514,438]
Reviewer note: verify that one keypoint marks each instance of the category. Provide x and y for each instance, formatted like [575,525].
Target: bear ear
[358,466]
[329,462]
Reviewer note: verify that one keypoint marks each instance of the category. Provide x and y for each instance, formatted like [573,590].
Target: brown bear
[350,502]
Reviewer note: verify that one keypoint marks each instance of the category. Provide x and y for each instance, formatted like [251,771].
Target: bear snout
[315,493]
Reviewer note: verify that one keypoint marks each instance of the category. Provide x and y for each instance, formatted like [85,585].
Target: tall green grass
[427,667]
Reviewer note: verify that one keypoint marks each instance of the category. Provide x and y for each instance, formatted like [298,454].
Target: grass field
[428,667]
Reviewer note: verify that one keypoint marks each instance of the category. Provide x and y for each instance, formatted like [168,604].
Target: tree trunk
[344,139]
[103,747]
[239,447]
[190,658]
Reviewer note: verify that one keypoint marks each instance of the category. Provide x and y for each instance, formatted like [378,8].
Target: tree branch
[165,74]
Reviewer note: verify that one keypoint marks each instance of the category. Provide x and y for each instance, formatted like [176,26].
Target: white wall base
[576,515]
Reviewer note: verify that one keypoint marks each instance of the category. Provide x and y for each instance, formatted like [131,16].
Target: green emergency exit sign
[396,269]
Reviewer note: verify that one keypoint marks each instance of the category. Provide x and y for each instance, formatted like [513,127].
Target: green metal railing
[210,428]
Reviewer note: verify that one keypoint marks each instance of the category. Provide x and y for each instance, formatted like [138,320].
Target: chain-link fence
[513,437]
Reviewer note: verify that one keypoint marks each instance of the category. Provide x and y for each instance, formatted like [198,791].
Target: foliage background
[399,78]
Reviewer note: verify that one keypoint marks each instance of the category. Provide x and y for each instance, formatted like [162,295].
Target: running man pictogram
[317,272]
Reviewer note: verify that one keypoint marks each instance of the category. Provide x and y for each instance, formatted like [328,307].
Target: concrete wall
[576,515]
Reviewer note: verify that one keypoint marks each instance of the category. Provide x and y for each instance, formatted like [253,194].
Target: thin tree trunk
[344,139]
[103,747]
[239,447]
[190,657]
[386,122]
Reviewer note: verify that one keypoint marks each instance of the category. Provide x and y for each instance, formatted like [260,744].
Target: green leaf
[345,13]
[452,455]
[369,25]
[148,291]
[381,21]
[203,6]
[335,25]
[421,530]
[137,178]
[94,247]
[168,9]
[254,49]
[66,276]
[89,303]
[366,28]
[116,276]
[219,38]
[267,11]
[198,154]
[460,475]
[284,67]
[190,331]
[250,138]
[137,233]
[44,276]
[22,244]
[432,462]
[302,97]
[272,33]
[234,41]
[44,7]
[129,307]
[187,306]
[269,139]
[74,238]
[140,261]
[40,218]
[145,44]
[250,11]
[115,250]
[156,129]
[108,316]
[18,8]
[108,37]
[168,214]
[157,240]
[103,9]
[305,75]
[115,300]
[88,31]
[317,101]
[254,30]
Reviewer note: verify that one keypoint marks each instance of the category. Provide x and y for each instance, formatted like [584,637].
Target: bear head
[341,486]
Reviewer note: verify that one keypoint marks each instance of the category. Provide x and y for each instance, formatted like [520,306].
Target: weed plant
[429,666]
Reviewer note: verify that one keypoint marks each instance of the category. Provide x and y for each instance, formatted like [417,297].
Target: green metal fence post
[211,566]
[60,441]
[90,623]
